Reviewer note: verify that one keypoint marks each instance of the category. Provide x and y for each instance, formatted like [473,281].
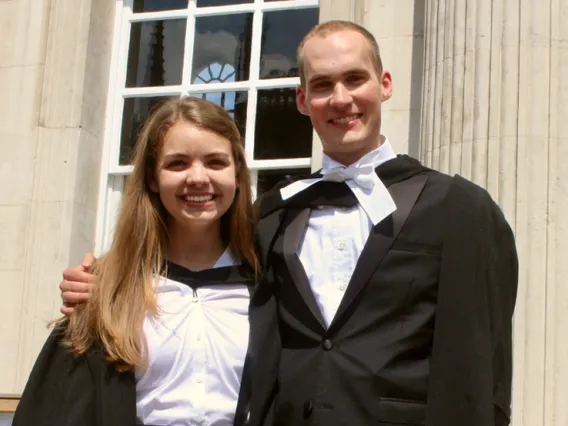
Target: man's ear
[301,100]
[386,85]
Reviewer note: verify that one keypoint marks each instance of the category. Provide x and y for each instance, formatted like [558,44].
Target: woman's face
[195,176]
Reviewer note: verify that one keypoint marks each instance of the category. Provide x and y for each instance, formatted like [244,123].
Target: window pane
[267,179]
[215,73]
[158,5]
[281,131]
[279,44]
[234,102]
[136,110]
[206,3]
[155,56]
[224,40]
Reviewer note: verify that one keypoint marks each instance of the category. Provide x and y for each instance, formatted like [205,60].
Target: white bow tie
[361,175]
[369,190]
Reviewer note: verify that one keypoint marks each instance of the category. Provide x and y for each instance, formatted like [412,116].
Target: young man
[388,288]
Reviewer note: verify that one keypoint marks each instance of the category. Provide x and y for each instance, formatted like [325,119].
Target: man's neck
[347,158]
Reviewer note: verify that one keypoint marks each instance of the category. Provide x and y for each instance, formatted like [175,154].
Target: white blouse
[197,346]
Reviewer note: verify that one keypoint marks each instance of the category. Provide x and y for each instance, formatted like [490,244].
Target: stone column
[398,26]
[495,96]
[54,75]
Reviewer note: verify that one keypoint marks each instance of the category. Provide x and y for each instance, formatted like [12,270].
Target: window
[240,54]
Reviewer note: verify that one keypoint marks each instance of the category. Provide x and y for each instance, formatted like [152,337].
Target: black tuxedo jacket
[423,333]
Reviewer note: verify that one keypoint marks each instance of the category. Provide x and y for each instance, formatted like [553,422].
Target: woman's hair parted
[126,275]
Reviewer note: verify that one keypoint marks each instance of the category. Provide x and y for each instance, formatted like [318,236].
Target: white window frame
[112,173]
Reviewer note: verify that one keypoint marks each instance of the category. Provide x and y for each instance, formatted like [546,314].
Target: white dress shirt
[197,346]
[333,242]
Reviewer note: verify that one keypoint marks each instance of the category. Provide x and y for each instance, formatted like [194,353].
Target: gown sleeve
[502,282]
[60,389]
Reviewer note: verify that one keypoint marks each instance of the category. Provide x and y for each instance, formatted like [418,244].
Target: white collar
[374,158]
[226,259]
[361,179]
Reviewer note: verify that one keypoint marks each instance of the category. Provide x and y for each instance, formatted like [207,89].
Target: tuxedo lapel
[292,235]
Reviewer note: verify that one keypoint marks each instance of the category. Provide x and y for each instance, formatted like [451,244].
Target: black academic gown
[423,334]
[68,390]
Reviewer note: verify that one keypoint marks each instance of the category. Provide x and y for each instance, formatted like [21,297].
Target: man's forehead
[336,38]
[338,62]
[325,51]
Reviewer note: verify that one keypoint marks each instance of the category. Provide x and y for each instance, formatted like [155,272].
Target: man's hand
[77,284]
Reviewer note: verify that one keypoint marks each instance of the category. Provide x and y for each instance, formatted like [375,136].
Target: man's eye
[355,79]
[320,86]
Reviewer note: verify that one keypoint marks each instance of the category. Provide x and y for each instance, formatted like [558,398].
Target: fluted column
[494,99]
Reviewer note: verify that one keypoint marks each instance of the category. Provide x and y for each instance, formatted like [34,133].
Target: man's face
[343,94]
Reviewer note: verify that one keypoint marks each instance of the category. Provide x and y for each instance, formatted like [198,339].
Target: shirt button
[199,419]
[327,344]
[342,287]
[308,408]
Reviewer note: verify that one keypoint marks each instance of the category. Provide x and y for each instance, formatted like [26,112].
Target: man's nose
[340,96]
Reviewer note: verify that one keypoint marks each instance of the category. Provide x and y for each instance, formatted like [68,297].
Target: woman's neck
[195,249]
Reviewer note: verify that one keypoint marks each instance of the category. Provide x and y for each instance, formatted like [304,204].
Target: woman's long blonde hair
[126,274]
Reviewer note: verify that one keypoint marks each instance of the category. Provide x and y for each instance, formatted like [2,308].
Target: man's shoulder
[459,186]
[470,201]
[271,200]
[472,192]
[457,195]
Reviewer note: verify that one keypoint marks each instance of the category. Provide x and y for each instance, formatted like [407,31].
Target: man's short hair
[330,27]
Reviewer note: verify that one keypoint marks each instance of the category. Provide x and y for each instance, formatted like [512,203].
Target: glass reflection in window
[279,44]
[155,56]
[215,73]
[158,5]
[224,39]
[136,110]
[234,102]
[281,131]
[207,3]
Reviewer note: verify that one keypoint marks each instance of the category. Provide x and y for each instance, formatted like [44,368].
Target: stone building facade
[478,90]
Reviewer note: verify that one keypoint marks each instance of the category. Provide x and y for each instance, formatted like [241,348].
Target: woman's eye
[217,163]
[176,163]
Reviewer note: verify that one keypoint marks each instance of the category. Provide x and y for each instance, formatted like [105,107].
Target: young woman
[163,338]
